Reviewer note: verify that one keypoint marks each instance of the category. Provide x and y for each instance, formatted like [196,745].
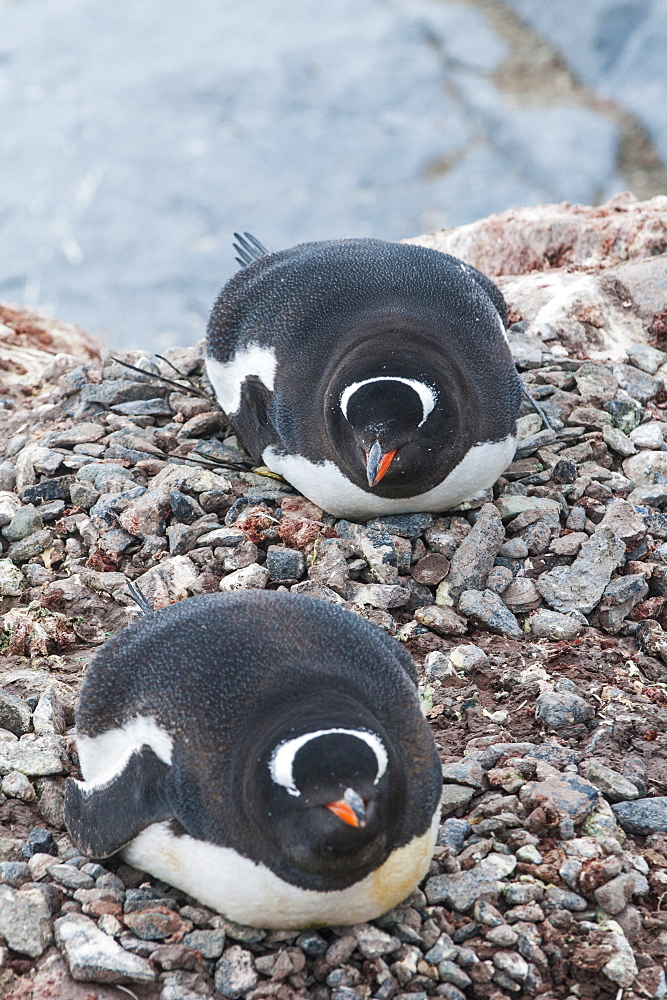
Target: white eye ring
[282,758]
[427,396]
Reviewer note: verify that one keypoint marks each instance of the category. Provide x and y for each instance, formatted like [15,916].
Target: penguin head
[388,428]
[332,800]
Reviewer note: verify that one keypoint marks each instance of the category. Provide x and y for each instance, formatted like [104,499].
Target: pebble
[379,595]
[15,713]
[405,525]
[454,798]
[511,963]
[449,972]
[562,708]
[235,973]
[441,619]
[49,715]
[25,920]
[375,545]
[529,854]
[554,625]
[514,548]
[466,771]
[622,966]
[431,569]
[638,384]
[15,785]
[95,957]
[71,877]
[373,942]
[461,890]
[580,586]
[616,894]
[613,785]
[618,441]
[473,559]
[647,435]
[647,358]
[32,545]
[454,833]
[468,658]
[209,943]
[643,816]
[39,758]
[253,577]
[285,565]
[25,521]
[503,936]
[483,607]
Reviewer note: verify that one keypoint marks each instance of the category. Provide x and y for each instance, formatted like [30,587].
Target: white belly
[251,894]
[330,489]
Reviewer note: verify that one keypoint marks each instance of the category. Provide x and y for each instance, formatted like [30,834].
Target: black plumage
[326,316]
[228,678]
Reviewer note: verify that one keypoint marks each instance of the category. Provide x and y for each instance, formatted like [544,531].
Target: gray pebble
[284,565]
[15,713]
[454,833]
[483,607]
[25,920]
[617,893]
[562,708]
[449,972]
[235,973]
[643,816]
[93,956]
[15,785]
[209,943]
[25,521]
[553,625]
[613,785]
[32,545]
[71,877]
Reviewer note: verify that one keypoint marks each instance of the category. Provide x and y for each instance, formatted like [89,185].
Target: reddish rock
[157,924]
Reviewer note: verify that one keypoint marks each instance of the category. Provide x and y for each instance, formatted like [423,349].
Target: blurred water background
[135,136]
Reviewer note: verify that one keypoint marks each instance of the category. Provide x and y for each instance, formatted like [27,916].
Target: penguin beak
[351,808]
[377,463]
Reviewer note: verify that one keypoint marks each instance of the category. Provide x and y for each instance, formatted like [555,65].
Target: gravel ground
[535,617]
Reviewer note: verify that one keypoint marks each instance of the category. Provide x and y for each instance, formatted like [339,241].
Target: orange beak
[351,808]
[377,463]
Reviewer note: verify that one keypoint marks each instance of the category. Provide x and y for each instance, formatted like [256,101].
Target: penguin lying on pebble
[265,752]
[375,377]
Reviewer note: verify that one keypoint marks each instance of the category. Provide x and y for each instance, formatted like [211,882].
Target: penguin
[375,377]
[264,752]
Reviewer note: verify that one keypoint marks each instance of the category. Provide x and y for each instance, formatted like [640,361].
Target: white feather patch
[282,759]
[105,755]
[330,489]
[252,894]
[227,377]
[427,396]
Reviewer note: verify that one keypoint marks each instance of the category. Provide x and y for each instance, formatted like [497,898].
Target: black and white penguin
[264,752]
[375,377]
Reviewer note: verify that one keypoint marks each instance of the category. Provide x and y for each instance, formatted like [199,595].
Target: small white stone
[648,435]
[15,785]
[529,854]
[621,967]
[253,577]
[12,580]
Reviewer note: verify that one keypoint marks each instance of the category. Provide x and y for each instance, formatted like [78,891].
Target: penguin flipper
[248,249]
[102,818]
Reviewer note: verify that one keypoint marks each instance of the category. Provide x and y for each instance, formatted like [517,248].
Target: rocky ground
[535,616]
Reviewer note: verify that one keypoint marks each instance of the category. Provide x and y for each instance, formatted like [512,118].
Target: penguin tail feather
[139,599]
[248,249]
